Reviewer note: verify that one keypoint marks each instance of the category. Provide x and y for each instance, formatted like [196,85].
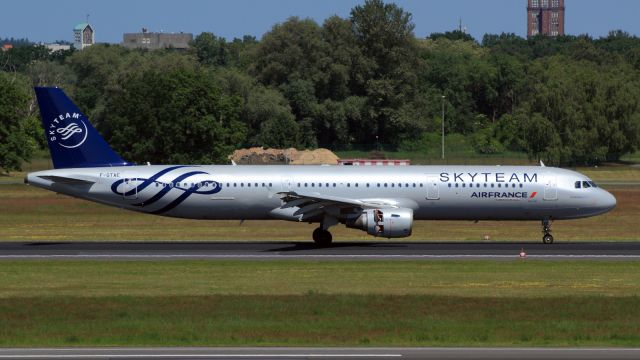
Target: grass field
[32,214]
[296,303]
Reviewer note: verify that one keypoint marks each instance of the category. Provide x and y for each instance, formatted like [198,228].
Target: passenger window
[421,185]
[334,184]
[464,185]
[385,184]
[449,184]
[585,184]
[270,185]
[457,185]
[577,184]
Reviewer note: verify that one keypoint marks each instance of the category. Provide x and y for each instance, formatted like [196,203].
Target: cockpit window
[578,185]
[585,184]
[593,184]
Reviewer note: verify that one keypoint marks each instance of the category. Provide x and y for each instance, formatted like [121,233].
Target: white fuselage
[254,192]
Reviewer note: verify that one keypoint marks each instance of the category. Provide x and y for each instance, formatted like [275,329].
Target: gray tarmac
[253,250]
[317,353]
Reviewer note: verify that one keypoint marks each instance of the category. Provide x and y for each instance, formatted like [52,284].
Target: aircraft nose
[607,201]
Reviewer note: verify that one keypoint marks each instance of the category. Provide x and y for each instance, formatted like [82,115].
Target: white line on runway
[172,356]
[272,256]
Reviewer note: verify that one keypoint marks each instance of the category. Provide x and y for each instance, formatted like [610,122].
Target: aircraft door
[550,187]
[433,188]
[130,188]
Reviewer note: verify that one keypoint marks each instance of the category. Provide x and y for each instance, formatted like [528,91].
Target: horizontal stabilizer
[66,180]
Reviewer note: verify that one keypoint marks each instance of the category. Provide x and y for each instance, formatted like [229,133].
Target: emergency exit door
[550,187]
[433,187]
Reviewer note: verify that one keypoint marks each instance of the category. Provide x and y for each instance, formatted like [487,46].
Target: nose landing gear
[547,238]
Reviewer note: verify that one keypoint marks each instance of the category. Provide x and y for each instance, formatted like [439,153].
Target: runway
[317,353]
[251,250]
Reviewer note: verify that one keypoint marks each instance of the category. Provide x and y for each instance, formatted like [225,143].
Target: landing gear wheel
[322,237]
[546,231]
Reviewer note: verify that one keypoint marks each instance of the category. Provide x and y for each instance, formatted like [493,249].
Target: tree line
[347,83]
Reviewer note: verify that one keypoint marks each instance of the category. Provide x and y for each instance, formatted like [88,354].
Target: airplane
[383,201]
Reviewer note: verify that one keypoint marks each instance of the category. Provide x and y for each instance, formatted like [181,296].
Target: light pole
[443,127]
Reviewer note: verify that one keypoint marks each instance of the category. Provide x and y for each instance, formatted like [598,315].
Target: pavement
[324,353]
[253,250]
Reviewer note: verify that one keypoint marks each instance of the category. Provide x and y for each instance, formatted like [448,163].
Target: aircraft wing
[314,204]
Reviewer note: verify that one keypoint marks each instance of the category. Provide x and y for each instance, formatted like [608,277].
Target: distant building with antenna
[83,35]
[545,17]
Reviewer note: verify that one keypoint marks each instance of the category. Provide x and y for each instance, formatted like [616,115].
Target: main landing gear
[547,238]
[322,237]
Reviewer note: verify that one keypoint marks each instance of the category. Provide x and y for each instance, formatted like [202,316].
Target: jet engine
[389,223]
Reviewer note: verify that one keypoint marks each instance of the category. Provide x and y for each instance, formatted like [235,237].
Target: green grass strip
[338,303]
[509,278]
[316,319]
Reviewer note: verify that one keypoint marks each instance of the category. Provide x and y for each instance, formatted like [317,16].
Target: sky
[47,21]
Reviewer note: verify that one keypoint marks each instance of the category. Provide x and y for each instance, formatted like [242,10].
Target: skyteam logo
[68,130]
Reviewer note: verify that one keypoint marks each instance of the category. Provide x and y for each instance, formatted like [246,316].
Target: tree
[18,58]
[259,105]
[542,140]
[210,49]
[386,74]
[593,108]
[463,72]
[16,144]
[293,50]
[452,35]
[176,115]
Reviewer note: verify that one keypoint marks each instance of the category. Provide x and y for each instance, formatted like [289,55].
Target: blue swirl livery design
[183,184]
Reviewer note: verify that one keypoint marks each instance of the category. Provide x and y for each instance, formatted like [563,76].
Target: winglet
[542,164]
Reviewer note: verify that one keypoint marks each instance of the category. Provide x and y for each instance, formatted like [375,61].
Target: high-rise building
[545,17]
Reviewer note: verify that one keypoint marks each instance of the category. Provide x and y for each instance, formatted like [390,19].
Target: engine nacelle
[389,223]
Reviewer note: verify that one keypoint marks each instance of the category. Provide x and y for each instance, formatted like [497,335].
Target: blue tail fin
[73,141]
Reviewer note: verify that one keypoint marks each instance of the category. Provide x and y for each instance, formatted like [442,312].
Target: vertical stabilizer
[73,141]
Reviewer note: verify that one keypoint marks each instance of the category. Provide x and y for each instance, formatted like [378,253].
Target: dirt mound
[260,156]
